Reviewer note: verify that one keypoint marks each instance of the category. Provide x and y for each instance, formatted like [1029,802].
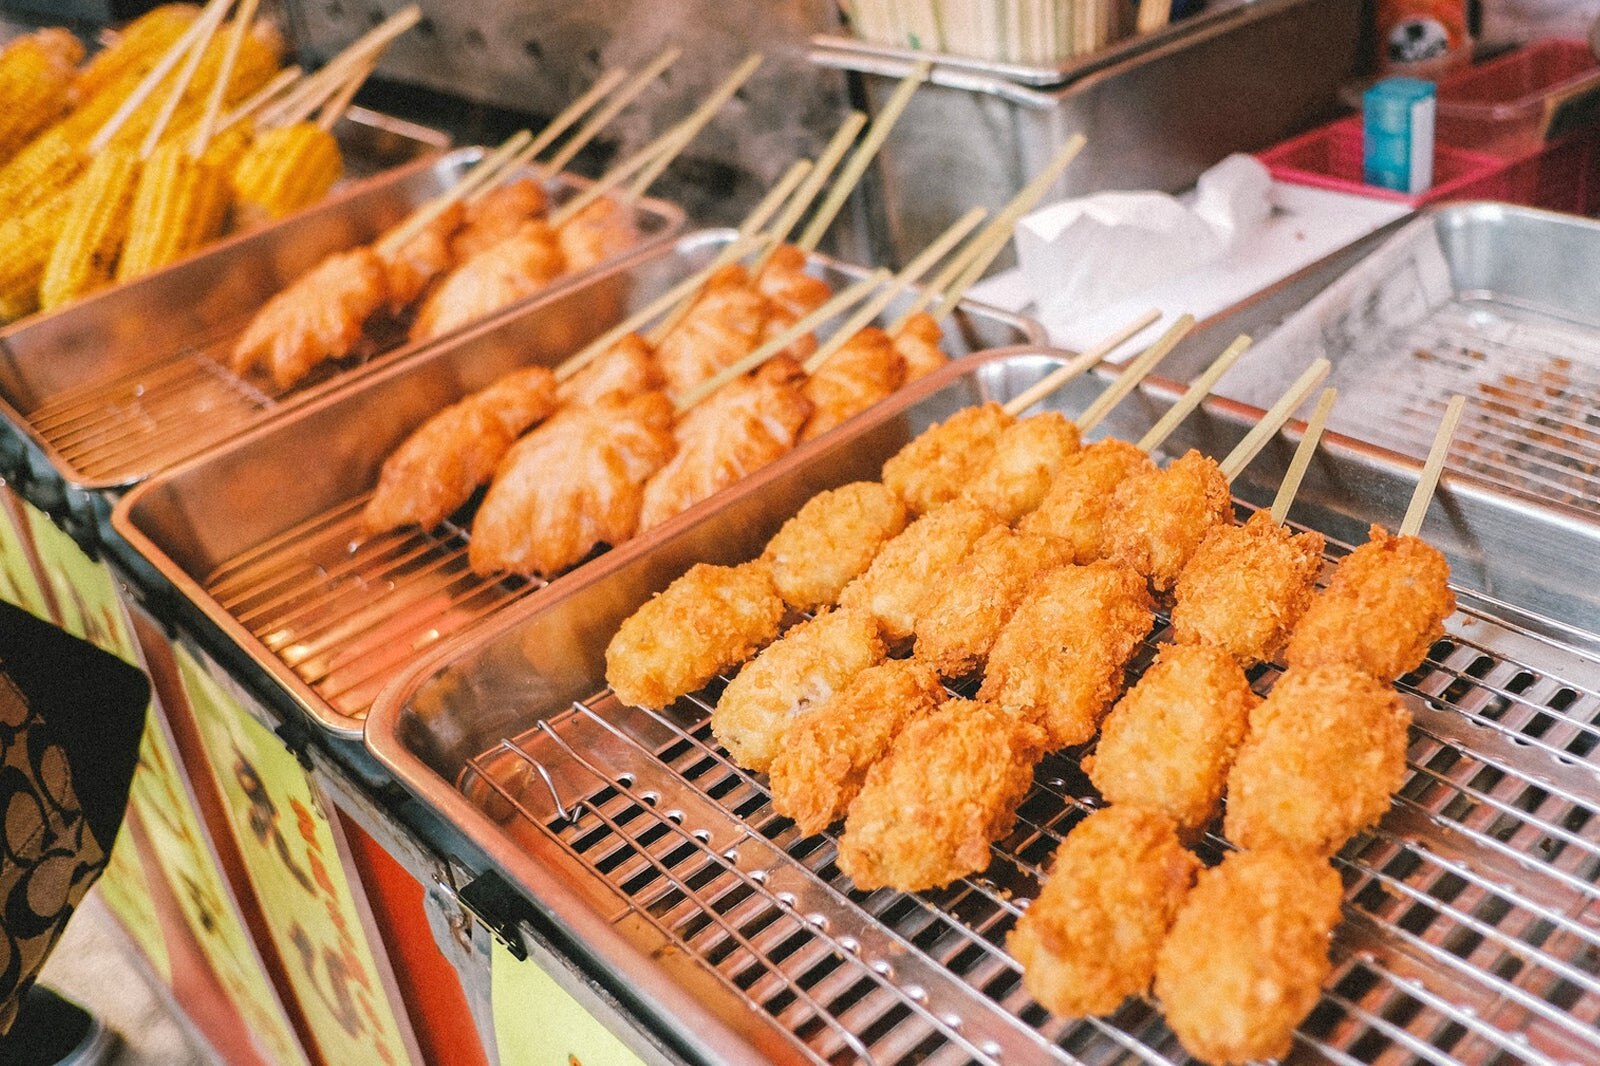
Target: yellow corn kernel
[180,204]
[135,48]
[36,75]
[25,243]
[229,146]
[285,170]
[85,255]
[50,163]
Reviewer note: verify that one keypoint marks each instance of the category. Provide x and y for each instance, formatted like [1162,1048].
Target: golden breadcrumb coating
[1156,522]
[1245,961]
[914,563]
[1062,655]
[1091,938]
[1382,611]
[709,620]
[936,465]
[1326,751]
[826,755]
[1169,741]
[949,787]
[800,671]
[831,541]
[1246,587]
[963,614]
[1025,462]
[1074,508]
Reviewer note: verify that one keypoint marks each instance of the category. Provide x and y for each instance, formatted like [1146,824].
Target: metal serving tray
[263,538]
[135,379]
[1472,917]
[1490,300]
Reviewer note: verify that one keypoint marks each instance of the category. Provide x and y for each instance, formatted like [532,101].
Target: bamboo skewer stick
[260,98]
[1198,390]
[1086,359]
[838,304]
[1153,15]
[859,160]
[340,102]
[910,275]
[1134,373]
[689,127]
[488,168]
[758,217]
[630,168]
[1429,481]
[820,172]
[242,20]
[212,16]
[1271,422]
[613,107]
[1302,457]
[636,321]
[141,92]
[319,85]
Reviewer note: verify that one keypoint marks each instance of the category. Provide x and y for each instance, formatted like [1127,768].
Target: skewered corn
[180,203]
[51,162]
[92,234]
[135,49]
[228,146]
[36,74]
[25,244]
[285,170]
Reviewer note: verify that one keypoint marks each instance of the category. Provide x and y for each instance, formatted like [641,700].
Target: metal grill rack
[1472,914]
[344,609]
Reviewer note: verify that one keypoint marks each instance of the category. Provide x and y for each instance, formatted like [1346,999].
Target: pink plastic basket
[1503,106]
[1330,158]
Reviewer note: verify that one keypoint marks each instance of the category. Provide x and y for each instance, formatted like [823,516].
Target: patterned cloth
[70,720]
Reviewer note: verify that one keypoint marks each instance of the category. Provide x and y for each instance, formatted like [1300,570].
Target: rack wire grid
[1471,928]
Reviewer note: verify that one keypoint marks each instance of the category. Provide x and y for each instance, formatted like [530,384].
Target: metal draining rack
[1532,382]
[345,609]
[1472,914]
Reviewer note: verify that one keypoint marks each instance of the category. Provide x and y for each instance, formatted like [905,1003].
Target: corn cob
[85,255]
[135,49]
[36,75]
[181,203]
[285,170]
[25,243]
[229,146]
[50,163]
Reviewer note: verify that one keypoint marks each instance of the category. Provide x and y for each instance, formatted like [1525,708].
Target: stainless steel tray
[1490,300]
[262,537]
[1472,917]
[133,380]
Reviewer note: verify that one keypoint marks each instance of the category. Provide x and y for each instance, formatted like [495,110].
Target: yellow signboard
[536,1023]
[86,598]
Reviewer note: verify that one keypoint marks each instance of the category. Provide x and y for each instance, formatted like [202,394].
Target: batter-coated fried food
[1061,657]
[964,613]
[949,787]
[1157,521]
[1382,611]
[918,344]
[442,463]
[626,369]
[601,231]
[412,267]
[496,277]
[1074,507]
[826,755]
[571,485]
[1026,460]
[1168,743]
[740,428]
[940,462]
[1326,751]
[499,214]
[831,541]
[914,563]
[1245,961]
[318,318]
[1091,938]
[709,620]
[723,325]
[800,671]
[867,369]
[1246,587]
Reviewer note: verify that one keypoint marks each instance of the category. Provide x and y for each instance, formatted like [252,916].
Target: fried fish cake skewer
[831,541]
[1091,938]
[1074,507]
[1245,960]
[909,566]
[937,463]
[825,757]
[949,787]
[1168,743]
[1326,751]
[710,619]
[796,673]
[1061,657]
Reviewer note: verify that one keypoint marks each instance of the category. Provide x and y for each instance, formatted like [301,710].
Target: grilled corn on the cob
[285,170]
[26,240]
[181,203]
[85,255]
[36,75]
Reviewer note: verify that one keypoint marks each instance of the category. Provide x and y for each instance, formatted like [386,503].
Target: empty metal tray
[1472,917]
[263,539]
[135,379]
